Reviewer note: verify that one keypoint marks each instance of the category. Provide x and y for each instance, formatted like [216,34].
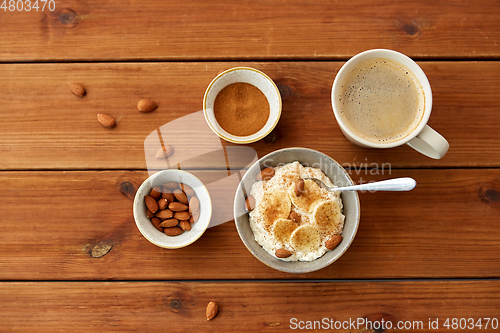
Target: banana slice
[309,198]
[283,229]
[329,218]
[305,238]
[275,205]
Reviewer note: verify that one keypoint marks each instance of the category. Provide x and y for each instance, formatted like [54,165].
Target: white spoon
[396,184]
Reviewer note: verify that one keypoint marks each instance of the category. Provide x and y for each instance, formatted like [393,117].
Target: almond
[182,215]
[333,242]
[146,105]
[165,214]
[187,189]
[191,220]
[212,310]
[181,196]
[283,253]
[163,152]
[151,203]
[162,204]
[169,223]
[294,217]
[150,214]
[194,205]
[167,194]
[250,203]
[157,223]
[185,225]
[155,192]
[173,231]
[266,174]
[77,89]
[299,187]
[106,120]
[171,186]
[177,207]
[196,216]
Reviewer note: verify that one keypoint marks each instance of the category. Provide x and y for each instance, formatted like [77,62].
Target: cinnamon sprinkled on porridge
[298,224]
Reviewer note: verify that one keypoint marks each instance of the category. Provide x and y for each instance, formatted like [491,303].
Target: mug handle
[430,143]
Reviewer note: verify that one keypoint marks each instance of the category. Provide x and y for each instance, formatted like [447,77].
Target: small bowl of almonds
[172,208]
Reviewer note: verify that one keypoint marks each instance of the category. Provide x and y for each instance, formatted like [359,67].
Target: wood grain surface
[71,256]
[44,126]
[243,307]
[78,225]
[200,30]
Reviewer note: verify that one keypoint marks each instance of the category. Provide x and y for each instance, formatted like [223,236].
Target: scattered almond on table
[172,208]
[146,105]
[106,120]
[77,89]
[212,310]
[164,152]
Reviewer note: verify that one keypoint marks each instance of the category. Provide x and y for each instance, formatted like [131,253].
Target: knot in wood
[273,324]
[68,17]
[285,91]
[411,29]
[101,249]
[490,195]
[127,189]
[271,137]
[175,303]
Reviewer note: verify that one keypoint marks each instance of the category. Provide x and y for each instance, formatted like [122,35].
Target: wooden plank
[79,226]
[246,307]
[44,126]
[299,29]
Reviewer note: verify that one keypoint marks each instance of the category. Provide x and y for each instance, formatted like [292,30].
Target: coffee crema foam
[381,100]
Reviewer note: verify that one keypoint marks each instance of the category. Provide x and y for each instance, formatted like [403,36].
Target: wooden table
[71,256]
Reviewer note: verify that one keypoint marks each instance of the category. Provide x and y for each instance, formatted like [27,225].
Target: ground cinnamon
[241,109]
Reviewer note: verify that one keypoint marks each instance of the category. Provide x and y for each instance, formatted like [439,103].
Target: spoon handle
[396,184]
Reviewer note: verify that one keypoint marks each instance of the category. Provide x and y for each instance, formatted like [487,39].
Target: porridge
[294,219]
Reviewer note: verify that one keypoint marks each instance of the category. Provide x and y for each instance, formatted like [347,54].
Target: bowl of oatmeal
[290,223]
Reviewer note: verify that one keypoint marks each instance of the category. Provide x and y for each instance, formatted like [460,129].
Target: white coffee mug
[423,138]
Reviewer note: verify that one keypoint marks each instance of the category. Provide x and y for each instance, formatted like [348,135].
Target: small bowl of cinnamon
[242,105]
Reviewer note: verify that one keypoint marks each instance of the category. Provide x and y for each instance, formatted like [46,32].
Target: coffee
[381,100]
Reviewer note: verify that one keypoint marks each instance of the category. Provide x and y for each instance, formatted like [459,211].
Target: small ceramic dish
[332,170]
[144,223]
[246,75]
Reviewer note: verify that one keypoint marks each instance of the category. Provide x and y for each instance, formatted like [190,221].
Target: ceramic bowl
[154,235]
[246,75]
[337,175]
